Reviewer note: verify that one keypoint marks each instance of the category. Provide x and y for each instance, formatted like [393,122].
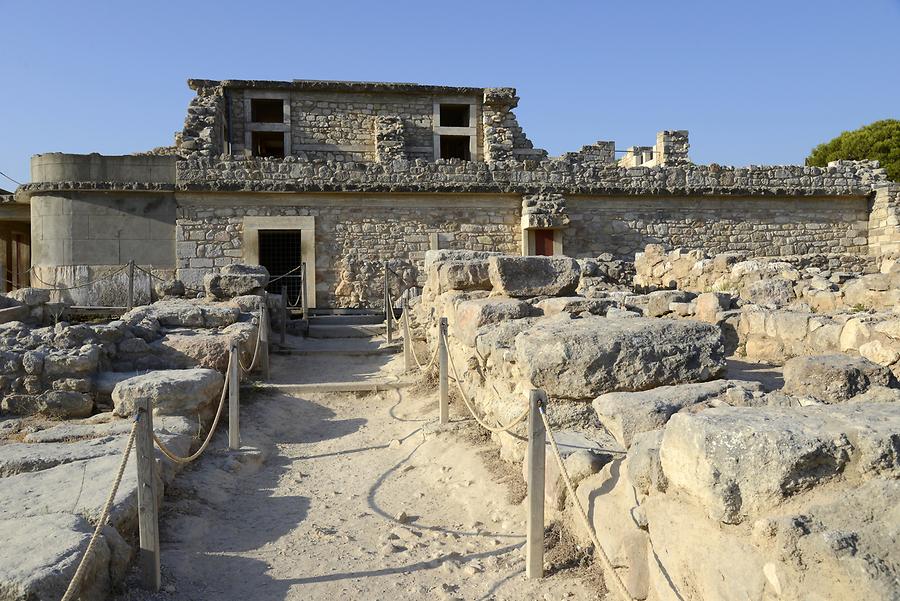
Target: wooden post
[303,297]
[148,511]
[408,360]
[130,285]
[537,438]
[284,314]
[234,399]
[442,361]
[264,337]
[388,309]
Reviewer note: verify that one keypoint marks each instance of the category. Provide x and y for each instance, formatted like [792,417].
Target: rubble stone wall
[754,226]
[354,235]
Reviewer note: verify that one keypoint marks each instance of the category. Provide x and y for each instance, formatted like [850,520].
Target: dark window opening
[268,144]
[455,147]
[266,110]
[454,115]
[543,243]
[279,252]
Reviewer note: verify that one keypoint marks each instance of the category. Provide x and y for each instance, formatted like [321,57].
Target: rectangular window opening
[266,110]
[268,144]
[454,115]
[455,147]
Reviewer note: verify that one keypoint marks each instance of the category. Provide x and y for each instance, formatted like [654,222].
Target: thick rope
[75,583]
[284,275]
[607,564]
[159,279]
[462,393]
[246,369]
[413,350]
[76,286]
[177,459]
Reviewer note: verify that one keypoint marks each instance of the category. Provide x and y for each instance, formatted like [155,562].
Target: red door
[543,243]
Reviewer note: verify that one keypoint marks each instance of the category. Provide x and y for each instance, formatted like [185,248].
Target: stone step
[353,386]
[346,320]
[345,331]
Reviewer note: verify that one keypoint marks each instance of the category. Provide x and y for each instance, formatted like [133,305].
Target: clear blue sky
[755,82]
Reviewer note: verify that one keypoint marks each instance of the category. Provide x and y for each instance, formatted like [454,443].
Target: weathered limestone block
[736,462]
[833,378]
[463,275]
[772,292]
[189,348]
[658,302]
[609,500]
[627,414]
[710,304]
[66,404]
[583,358]
[574,305]
[65,363]
[879,352]
[171,392]
[31,297]
[533,276]
[183,314]
[235,280]
[642,465]
[473,314]
[40,554]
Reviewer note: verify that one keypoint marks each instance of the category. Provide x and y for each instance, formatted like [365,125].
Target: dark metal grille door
[279,252]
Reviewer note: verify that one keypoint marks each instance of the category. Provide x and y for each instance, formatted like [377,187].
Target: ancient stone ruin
[719,346]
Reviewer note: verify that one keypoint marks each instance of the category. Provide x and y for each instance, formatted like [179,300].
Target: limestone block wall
[103,228]
[755,226]
[354,234]
[884,221]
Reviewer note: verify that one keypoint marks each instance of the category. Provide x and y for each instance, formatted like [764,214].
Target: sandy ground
[353,496]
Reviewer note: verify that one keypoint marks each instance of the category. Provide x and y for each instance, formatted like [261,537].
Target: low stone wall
[664,467]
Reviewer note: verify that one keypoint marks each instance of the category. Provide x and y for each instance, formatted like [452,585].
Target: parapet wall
[565,176]
[63,167]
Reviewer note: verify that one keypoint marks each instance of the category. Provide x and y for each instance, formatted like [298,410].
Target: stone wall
[563,175]
[884,221]
[754,226]
[91,228]
[354,235]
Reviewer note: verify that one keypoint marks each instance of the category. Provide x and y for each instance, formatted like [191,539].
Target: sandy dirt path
[349,496]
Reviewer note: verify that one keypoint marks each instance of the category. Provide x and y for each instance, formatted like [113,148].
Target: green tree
[879,141]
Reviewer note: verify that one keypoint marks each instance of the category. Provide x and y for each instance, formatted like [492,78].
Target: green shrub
[877,141]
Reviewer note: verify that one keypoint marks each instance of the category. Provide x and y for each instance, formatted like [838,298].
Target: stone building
[346,175]
[15,243]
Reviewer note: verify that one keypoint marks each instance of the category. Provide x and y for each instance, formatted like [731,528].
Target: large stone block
[473,314]
[533,276]
[235,280]
[833,378]
[583,358]
[171,392]
[736,462]
[626,414]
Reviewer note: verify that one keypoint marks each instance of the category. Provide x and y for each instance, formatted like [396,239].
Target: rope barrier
[462,393]
[607,564]
[177,459]
[413,350]
[246,369]
[159,279]
[76,286]
[74,584]
[284,275]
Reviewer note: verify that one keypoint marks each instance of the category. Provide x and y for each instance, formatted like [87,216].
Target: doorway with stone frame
[281,244]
